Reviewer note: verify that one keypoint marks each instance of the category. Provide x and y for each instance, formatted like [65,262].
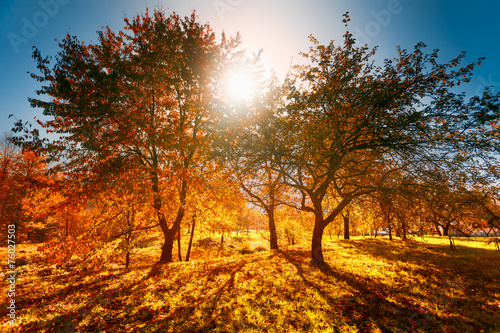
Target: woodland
[172,184]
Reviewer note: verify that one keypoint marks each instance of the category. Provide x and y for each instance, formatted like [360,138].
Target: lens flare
[240,85]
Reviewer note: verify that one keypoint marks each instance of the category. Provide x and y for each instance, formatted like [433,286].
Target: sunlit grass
[370,285]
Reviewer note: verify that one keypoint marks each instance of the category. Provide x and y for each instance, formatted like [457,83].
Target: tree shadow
[210,305]
[371,304]
[95,296]
[458,282]
[205,297]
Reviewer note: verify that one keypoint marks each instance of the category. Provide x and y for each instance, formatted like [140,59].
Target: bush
[246,249]
[260,248]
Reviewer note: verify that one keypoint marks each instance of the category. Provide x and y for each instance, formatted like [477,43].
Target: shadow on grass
[368,308]
[262,293]
[464,283]
[428,259]
[87,295]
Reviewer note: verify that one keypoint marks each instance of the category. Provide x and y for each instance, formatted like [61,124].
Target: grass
[367,285]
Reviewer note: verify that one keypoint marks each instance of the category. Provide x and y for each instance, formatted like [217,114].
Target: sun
[240,85]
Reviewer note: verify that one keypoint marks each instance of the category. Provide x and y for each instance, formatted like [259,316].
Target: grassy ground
[368,285]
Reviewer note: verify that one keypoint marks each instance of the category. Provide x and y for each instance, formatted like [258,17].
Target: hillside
[369,285]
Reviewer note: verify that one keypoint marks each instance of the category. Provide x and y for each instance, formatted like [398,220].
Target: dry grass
[368,285]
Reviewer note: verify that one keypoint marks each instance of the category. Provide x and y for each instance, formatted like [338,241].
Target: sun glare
[240,85]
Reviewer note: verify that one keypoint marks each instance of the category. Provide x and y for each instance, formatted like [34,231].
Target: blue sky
[279,27]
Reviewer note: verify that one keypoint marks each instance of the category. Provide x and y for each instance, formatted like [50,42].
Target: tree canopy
[148,104]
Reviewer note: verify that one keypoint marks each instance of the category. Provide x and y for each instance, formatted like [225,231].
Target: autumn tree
[483,195]
[215,205]
[142,98]
[463,210]
[24,188]
[349,124]
[122,211]
[295,224]
[400,203]
[485,210]
[243,147]
[10,189]
[222,209]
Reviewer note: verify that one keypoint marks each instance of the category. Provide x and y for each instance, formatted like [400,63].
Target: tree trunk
[169,234]
[179,253]
[446,230]
[221,243]
[273,237]
[290,237]
[346,225]
[390,234]
[316,250]
[191,236]
[128,236]
[166,251]
[452,243]
[127,259]
[403,229]
[438,230]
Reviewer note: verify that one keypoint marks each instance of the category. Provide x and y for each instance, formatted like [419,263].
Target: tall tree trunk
[166,253]
[166,250]
[452,243]
[438,230]
[191,236]
[446,230]
[127,259]
[316,250]
[168,233]
[290,237]
[403,228]
[128,236]
[221,243]
[346,224]
[179,253]
[273,237]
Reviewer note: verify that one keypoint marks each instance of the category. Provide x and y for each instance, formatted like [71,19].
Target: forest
[172,184]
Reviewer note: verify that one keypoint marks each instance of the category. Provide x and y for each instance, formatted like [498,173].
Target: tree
[143,99]
[295,224]
[10,189]
[485,210]
[245,154]
[349,125]
[264,189]
[222,209]
[216,205]
[24,185]
[122,211]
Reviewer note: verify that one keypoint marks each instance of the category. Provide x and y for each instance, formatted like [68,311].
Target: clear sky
[279,27]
